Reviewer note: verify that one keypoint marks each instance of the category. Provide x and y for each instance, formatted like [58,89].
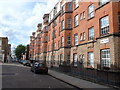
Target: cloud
[19,18]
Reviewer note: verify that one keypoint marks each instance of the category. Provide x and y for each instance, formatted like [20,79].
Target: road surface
[19,76]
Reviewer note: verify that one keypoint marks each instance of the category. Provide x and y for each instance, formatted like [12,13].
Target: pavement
[79,83]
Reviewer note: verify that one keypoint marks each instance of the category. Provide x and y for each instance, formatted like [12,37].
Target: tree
[19,51]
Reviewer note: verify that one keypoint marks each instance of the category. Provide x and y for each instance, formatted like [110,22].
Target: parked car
[26,63]
[20,61]
[39,68]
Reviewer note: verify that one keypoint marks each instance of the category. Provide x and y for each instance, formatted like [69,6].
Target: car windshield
[25,61]
[41,64]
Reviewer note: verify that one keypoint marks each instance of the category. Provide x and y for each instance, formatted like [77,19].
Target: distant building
[27,52]
[4,49]
[9,51]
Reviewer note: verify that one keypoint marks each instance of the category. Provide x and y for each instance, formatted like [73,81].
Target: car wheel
[46,72]
[35,71]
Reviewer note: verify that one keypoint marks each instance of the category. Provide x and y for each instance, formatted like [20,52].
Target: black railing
[98,73]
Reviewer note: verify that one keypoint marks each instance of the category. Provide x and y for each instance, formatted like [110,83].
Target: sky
[19,18]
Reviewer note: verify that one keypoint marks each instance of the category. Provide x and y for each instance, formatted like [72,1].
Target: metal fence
[99,73]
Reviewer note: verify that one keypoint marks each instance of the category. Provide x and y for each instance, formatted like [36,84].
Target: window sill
[102,6]
[66,29]
[91,40]
[68,46]
[82,19]
[62,30]
[69,11]
[76,45]
[90,18]
[66,12]
[76,26]
[104,35]
[82,40]
[76,8]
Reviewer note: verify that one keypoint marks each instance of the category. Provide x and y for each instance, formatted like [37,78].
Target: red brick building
[4,49]
[79,32]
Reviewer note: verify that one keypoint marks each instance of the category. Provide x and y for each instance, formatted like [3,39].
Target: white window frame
[76,4]
[104,25]
[76,20]
[81,36]
[69,23]
[68,40]
[81,58]
[105,58]
[76,39]
[90,59]
[82,15]
[61,59]
[75,57]
[91,33]
[69,6]
[84,36]
[91,11]
[62,9]
[62,24]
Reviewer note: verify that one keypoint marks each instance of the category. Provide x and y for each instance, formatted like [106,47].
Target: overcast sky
[19,18]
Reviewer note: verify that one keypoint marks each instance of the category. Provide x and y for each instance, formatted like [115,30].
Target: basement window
[105,58]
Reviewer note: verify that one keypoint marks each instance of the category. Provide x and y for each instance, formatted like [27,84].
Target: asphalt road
[19,76]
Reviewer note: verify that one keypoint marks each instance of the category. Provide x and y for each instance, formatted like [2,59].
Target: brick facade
[64,36]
